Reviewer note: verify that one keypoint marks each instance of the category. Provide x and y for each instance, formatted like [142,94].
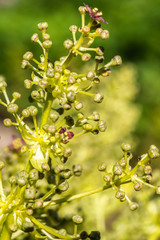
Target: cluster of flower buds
[139,175]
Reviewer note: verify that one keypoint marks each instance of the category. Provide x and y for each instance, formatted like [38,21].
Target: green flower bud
[29,211]
[158,190]
[7,122]
[50,72]
[77,170]
[102,126]
[62,232]
[47,44]
[137,186]
[153,153]
[71,96]
[67,106]
[59,168]
[71,80]
[39,203]
[98,97]
[82,10]
[30,193]
[27,83]
[25,113]
[77,219]
[16,95]
[68,44]
[27,226]
[2,165]
[78,105]
[67,152]
[122,162]
[52,129]
[99,30]
[88,127]
[66,174]
[126,147]
[153,147]
[33,175]
[34,37]
[73,28]
[42,26]
[116,61]
[12,108]
[22,181]
[80,116]
[13,227]
[120,194]
[13,180]
[107,178]
[147,169]
[24,64]
[96,116]
[104,34]
[43,83]
[35,94]
[54,116]
[46,36]
[102,167]
[95,235]
[33,110]
[3,84]
[45,167]
[28,56]
[23,173]
[67,72]
[106,73]
[86,57]
[148,178]
[86,29]
[100,51]
[63,186]
[90,75]
[133,206]
[117,170]
[24,149]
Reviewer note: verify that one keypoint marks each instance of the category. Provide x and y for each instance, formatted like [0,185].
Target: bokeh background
[132,103]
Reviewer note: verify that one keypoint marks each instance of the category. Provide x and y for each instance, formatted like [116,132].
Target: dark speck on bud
[116,61]
[133,206]
[77,219]
[42,26]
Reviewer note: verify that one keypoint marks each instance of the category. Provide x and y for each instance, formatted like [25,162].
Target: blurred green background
[134,34]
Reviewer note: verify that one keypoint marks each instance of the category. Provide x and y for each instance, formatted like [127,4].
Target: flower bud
[27,83]
[153,153]
[28,56]
[50,72]
[67,72]
[12,108]
[63,186]
[73,28]
[99,59]
[54,116]
[67,106]
[13,227]
[3,84]
[117,170]
[126,147]
[158,190]
[99,30]
[86,29]
[30,193]
[78,106]
[77,219]
[27,226]
[39,203]
[90,75]
[122,162]
[88,127]
[95,116]
[107,178]
[71,96]
[13,180]
[45,167]
[86,57]
[47,44]
[116,61]
[148,178]
[106,73]
[34,37]
[98,97]
[147,169]
[2,165]
[35,94]
[100,51]
[33,110]
[77,170]
[120,194]
[52,129]
[7,122]
[67,152]
[104,34]
[68,44]
[24,64]
[102,126]
[46,36]
[102,167]
[42,26]
[137,186]
[133,206]
[82,10]
[25,113]
[22,181]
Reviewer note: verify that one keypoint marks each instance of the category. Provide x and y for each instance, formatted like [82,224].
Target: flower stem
[46,110]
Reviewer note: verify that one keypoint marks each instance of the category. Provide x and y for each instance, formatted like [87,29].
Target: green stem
[6,233]
[46,110]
